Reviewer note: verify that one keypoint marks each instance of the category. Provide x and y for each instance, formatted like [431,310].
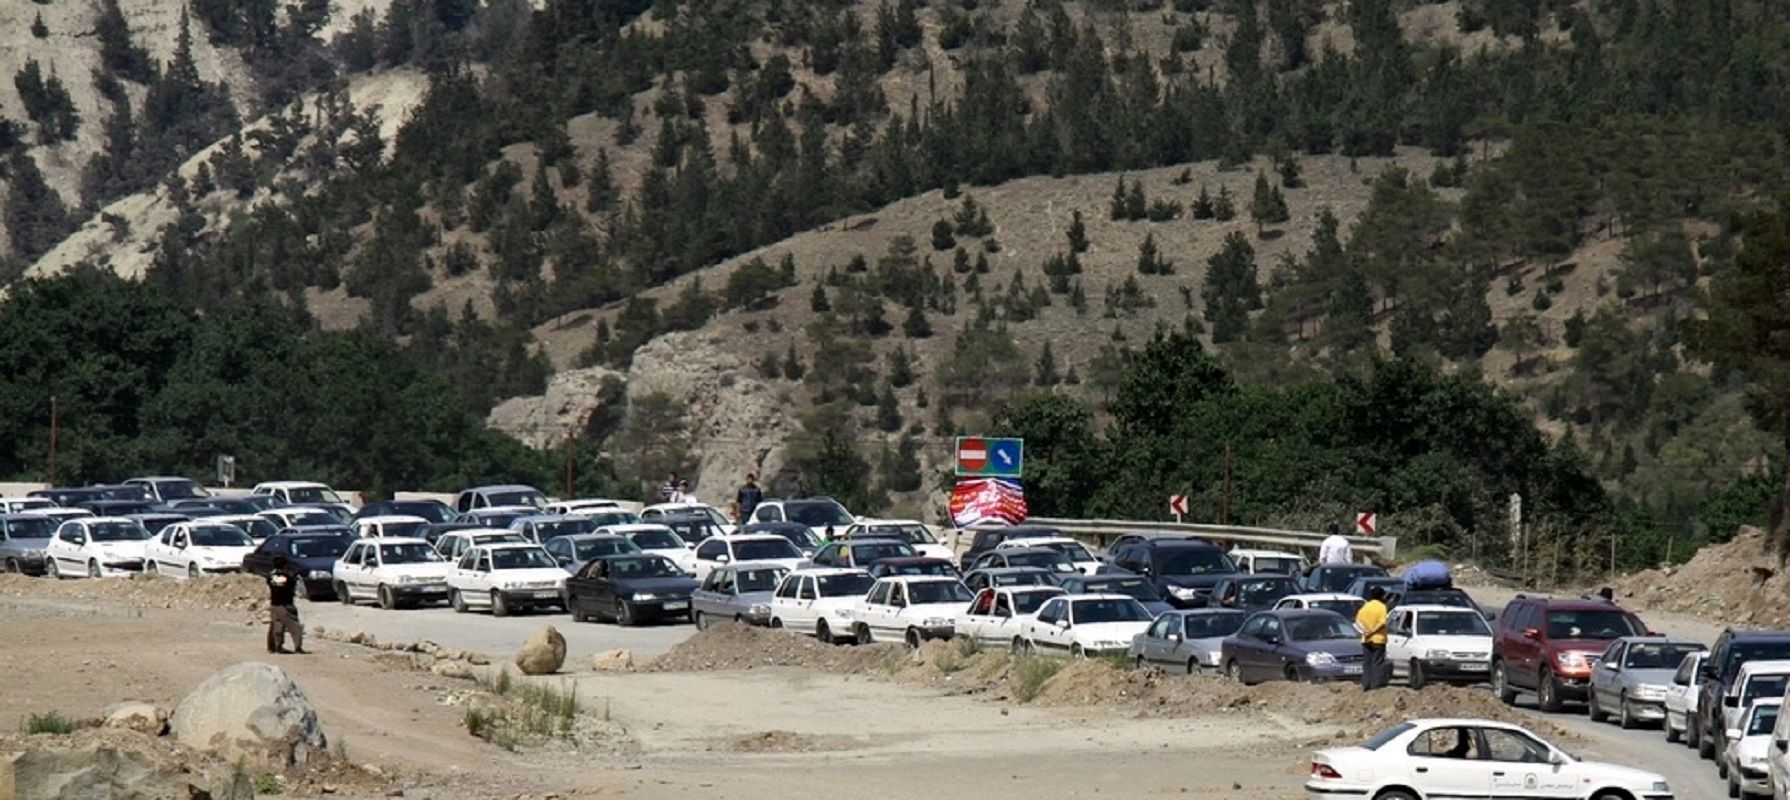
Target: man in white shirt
[1335,549]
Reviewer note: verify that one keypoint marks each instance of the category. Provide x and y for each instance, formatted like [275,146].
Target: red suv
[1549,646]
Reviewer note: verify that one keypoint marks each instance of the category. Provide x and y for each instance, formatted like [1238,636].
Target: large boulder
[253,711]
[543,654]
[104,769]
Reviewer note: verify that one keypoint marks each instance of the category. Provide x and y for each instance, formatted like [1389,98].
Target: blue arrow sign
[1006,458]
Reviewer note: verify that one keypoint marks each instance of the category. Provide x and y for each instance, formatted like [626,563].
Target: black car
[629,589]
[311,554]
[798,534]
[1253,592]
[69,497]
[1362,585]
[987,539]
[1335,578]
[1732,649]
[1184,571]
[116,508]
[912,565]
[431,510]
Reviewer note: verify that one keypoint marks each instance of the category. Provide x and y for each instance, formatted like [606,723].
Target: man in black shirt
[747,500]
[282,611]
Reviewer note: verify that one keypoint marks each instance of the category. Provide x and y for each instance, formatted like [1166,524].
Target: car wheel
[822,632]
[1137,662]
[12,566]
[51,571]
[624,613]
[343,595]
[1415,676]
[578,614]
[701,620]
[913,638]
[1722,771]
[305,590]
[862,633]
[387,600]
[1672,734]
[1706,743]
[1547,691]
[192,572]
[1693,735]
[1595,709]
[1395,794]
[1733,785]
[456,601]
[1017,646]
[1235,671]
[1501,684]
[499,606]
[1625,719]
[1290,673]
[776,624]
[1193,666]
[93,568]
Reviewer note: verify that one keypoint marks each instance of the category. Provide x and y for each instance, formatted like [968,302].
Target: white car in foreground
[1083,625]
[907,608]
[95,547]
[1426,758]
[1749,747]
[395,572]
[502,578]
[815,601]
[200,547]
[718,550]
[1077,553]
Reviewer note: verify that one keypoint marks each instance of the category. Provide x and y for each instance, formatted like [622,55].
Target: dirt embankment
[1737,582]
[220,592]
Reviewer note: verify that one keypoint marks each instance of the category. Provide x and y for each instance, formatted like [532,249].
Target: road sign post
[1177,505]
[979,457]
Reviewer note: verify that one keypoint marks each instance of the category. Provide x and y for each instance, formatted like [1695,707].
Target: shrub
[49,722]
[1030,673]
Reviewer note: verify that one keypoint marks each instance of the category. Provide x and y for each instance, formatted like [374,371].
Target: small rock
[141,717]
[611,660]
[452,669]
[478,659]
[543,654]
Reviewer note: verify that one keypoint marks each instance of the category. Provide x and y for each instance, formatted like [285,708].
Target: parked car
[389,526]
[20,505]
[1401,596]
[986,539]
[1335,578]
[69,496]
[255,526]
[499,496]
[311,555]
[117,508]
[652,538]
[1755,680]
[693,528]
[797,534]
[907,609]
[298,492]
[167,489]
[1085,625]
[1293,646]
[1190,640]
[1276,562]
[662,512]
[1745,762]
[496,516]
[430,510]
[454,544]
[294,516]
[580,506]
[1135,586]
[995,616]
[1183,571]
[1075,552]
[505,578]
[862,552]
[913,565]
[1125,540]
[1253,592]
[545,528]
[569,552]
[192,549]
[1361,586]
[737,592]
[251,504]
[997,577]
[605,517]
[1344,604]
[1549,645]
[95,547]
[720,550]
[1681,698]
[1040,557]
[629,590]
[1470,757]
[23,537]
[819,601]
[1632,677]
[1438,644]
[433,531]
[395,572]
[821,514]
[915,532]
[63,514]
[1731,649]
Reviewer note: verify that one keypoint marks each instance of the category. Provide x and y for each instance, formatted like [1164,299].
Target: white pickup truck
[995,616]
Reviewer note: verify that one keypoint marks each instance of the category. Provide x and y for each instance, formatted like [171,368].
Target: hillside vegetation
[916,217]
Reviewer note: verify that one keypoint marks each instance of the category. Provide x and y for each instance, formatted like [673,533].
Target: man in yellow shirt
[1371,619]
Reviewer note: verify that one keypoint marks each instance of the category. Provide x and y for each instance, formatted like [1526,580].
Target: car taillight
[1324,771]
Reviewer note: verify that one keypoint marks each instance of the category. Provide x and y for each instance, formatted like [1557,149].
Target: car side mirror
[1555,758]
[1610,665]
[722,559]
[1062,624]
[1783,745]
[1174,637]
[1731,701]
[1271,638]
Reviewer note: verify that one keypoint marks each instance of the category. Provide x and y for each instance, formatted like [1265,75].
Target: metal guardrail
[1103,531]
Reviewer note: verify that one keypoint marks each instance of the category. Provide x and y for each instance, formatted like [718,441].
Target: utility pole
[1224,507]
[53,421]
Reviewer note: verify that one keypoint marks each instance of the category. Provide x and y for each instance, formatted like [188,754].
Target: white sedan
[813,601]
[1470,758]
[95,547]
[1083,625]
[1077,553]
[907,608]
[201,547]
[925,542]
[505,577]
[1681,696]
[718,550]
[395,572]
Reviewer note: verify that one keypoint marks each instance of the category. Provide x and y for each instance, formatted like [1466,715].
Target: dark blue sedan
[1293,645]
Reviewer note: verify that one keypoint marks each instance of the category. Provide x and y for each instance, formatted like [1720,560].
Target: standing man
[282,612]
[683,493]
[746,500]
[1335,548]
[1371,619]
[668,489]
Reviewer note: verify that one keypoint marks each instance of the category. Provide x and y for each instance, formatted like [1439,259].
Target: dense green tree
[1231,290]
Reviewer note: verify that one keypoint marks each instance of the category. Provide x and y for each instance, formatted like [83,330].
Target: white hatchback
[95,547]
[200,547]
[395,572]
[503,578]
[813,601]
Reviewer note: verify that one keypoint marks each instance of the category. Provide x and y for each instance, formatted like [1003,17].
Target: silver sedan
[1631,678]
[736,593]
[1187,641]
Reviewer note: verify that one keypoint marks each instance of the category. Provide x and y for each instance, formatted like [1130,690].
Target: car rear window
[1380,739]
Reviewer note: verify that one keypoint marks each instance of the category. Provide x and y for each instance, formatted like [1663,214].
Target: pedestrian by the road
[746,500]
[1371,619]
[282,612]
[668,489]
[1335,548]
[683,493]
[1607,594]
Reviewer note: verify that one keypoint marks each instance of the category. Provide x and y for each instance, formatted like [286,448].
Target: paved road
[487,634]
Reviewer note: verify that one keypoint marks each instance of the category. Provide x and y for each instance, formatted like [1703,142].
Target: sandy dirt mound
[782,742]
[1739,581]
[224,592]
[743,647]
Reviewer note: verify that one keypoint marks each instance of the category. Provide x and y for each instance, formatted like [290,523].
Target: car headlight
[1650,691]
[1438,654]
[644,597]
[1661,787]
[407,579]
[1108,645]
[935,622]
[1571,660]
[760,609]
[1754,761]
[318,574]
[1320,659]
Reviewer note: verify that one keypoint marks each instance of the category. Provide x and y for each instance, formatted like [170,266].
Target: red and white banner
[981,501]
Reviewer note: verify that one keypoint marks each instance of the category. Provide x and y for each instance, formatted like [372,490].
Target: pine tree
[600,191]
[1046,374]
[1203,207]
[769,368]
[1267,206]
[942,238]
[901,368]
[1231,291]
[1136,205]
[1223,208]
[35,216]
[792,364]
[118,54]
[1150,260]
[1116,207]
[38,28]
[1078,234]
[888,410]
[915,325]
[817,302]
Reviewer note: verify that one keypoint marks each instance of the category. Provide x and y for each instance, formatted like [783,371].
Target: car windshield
[1020,579]
[800,537]
[1047,559]
[220,536]
[568,527]
[1591,624]
[757,580]
[1283,566]
[816,513]
[1319,628]
[499,538]
[764,549]
[846,585]
[693,531]
[1263,592]
[1665,655]
[407,554]
[866,553]
[1457,623]
[1070,550]
[1195,561]
[604,518]
[928,592]
[518,497]
[1127,610]
[30,527]
[116,532]
[1213,626]
[256,527]
[587,549]
[1346,608]
[1029,602]
[312,494]
[1137,588]
[181,490]
[318,546]
[404,529]
[1763,720]
[233,505]
[1764,686]
[913,534]
[1456,599]
[126,492]
[521,558]
[644,567]
[656,540]
[928,567]
[1338,579]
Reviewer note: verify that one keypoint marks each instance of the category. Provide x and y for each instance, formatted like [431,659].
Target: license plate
[677,605]
[545,593]
[1352,670]
[1476,666]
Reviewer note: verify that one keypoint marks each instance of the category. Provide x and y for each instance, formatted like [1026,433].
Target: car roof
[686,516]
[1313,596]
[1206,612]
[905,561]
[495,546]
[884,521]
[292,485]
[918,579]
[1179,544]
[1754,636]
[826,571]
[747,566]
[1033,589]
[1657,638]
[1250,551]
[1036,542]
[517,509]
[147,478]
[634,527]
[750,537]
[385,519]
[538,518]
[1770,665]
[1349,567]
[1011,570]
[385,540]
[1461,610]
[871,540]
[96,520]
[502,487]
[770,526]
[1077,598]
[1026,551]
[1299,612]
[316,532]
[594,536]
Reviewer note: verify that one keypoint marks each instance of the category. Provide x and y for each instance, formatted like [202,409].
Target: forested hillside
[909,219]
